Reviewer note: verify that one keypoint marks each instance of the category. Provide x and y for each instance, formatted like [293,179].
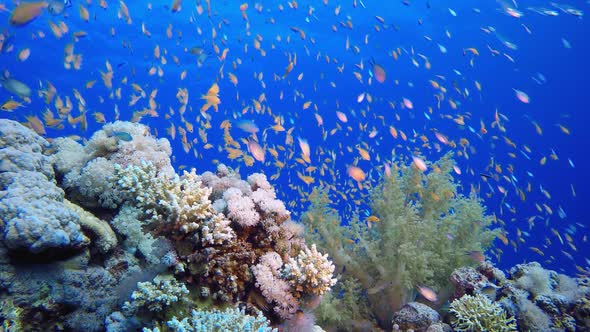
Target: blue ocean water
[544,56]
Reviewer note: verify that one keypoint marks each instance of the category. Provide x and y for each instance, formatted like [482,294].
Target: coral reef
[48,242]
[114,239]
[420,231]
[538,299]
[226,247]
[104,235]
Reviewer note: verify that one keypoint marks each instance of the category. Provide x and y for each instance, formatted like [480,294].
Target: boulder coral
[34,217]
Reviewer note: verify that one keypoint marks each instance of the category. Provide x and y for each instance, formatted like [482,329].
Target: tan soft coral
[423,230]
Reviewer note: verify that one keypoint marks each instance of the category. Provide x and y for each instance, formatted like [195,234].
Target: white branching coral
[156,295]
[180,201]
[478,313]
[144,189]
[310,272]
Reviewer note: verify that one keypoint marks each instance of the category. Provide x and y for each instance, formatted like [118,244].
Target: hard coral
[92,165]
[156,295]
[228,320]
[310,272]
[33,217]
[478,314]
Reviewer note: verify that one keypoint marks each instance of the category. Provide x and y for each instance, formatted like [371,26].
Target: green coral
[343,307]
[425,230]
[478,313]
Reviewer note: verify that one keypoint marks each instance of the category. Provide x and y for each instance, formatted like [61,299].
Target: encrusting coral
[420,231]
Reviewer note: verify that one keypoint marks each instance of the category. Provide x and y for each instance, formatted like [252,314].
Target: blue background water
[559,100]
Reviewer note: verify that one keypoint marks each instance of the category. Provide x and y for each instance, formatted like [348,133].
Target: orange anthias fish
[428,293]
[256,150]
[356,173]
[211,98]
[378,72]
[26,12]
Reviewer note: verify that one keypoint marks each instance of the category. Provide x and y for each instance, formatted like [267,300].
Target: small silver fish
[15,87]
[122,135]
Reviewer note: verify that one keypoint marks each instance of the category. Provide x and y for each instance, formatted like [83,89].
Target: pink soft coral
[241,208]
[276,290]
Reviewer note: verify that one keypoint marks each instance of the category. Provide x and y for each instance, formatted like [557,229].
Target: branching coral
[424,231]
[478,313]
[230,320]
[310,272]
[156,295]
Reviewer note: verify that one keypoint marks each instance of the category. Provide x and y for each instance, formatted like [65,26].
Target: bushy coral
[310,272]
[345,308]
[156,295]
[230,320]
[478,314]
[424,231]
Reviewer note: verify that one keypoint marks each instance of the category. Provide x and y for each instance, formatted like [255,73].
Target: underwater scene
[275,165]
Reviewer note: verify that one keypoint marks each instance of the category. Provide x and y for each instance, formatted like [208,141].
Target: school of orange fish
[292,127]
